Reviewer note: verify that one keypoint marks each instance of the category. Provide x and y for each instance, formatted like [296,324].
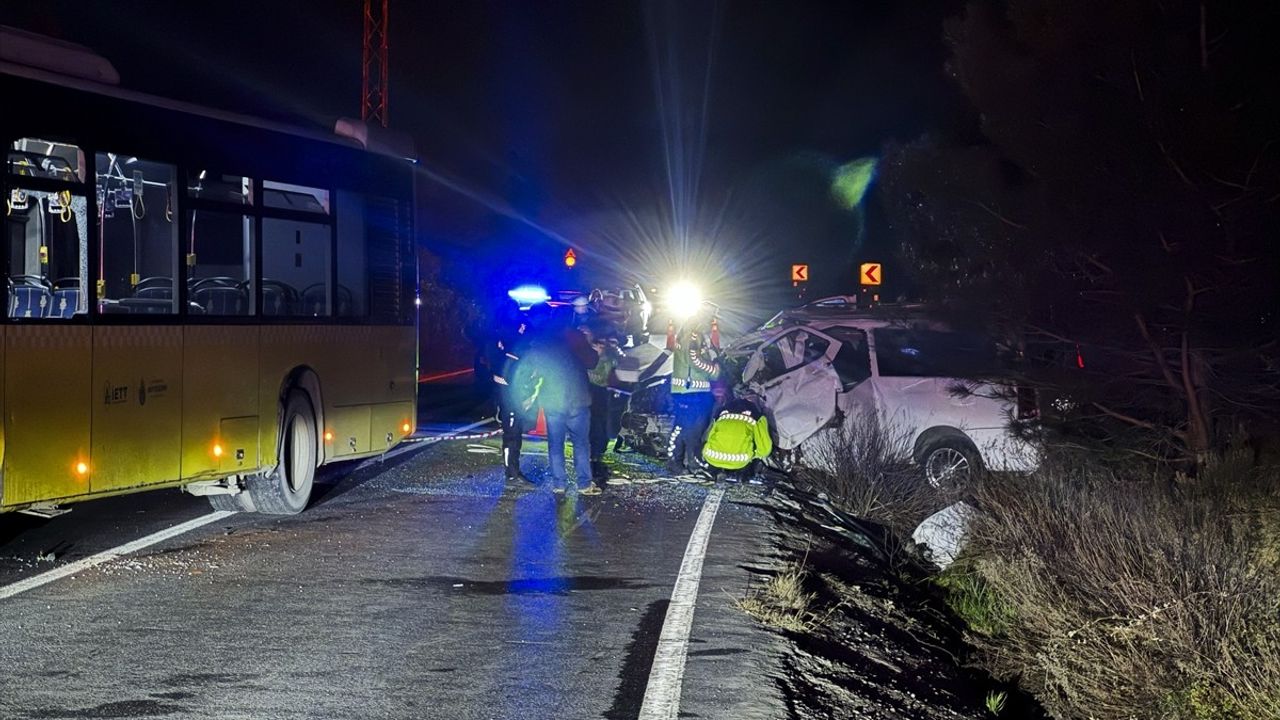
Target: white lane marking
[128,548]
[409,444]
[662,696]
[82,564]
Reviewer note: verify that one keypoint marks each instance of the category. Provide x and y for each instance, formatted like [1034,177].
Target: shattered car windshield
[790,352]
[913,352]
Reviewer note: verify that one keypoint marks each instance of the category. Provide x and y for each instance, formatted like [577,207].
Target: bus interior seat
[313,299]
[29,296]
[278,298]
[144,306]
[220,300]
[155,288]
[66,297]
[345,301]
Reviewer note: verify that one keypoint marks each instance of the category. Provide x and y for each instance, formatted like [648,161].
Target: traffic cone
[540,427]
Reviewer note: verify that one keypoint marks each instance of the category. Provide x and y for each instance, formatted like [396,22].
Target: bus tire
[286,488]
[232,503]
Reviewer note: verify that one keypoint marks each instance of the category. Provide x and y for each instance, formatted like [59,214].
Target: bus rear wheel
[285,489]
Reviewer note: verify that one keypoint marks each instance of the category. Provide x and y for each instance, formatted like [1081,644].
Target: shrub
[865,468]
[1120,595]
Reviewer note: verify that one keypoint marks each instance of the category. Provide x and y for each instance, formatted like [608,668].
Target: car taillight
[1028,406]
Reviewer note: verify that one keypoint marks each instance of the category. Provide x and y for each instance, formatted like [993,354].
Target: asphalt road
[422,587]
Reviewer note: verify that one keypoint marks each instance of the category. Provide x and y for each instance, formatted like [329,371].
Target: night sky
[651,136]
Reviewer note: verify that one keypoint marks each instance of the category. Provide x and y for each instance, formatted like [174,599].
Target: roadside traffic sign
[869,274]
[799,273]
[570,258]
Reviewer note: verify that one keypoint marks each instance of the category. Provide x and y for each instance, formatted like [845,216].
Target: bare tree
[1117,213]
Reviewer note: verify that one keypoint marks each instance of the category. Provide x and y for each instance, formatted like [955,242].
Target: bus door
[220,358]
[47,347]
[137,346]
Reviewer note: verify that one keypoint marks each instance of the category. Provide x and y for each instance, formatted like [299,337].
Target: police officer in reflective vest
[695,365]
[738,437]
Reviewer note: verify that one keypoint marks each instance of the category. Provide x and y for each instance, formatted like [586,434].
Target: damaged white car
[829,362]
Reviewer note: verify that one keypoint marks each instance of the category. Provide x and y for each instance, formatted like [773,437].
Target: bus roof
[57,62]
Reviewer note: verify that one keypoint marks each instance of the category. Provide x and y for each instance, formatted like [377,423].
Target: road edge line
[666,675]
[128,548]
[411,443]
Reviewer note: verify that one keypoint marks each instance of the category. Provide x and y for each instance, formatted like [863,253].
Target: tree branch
[1137,81]
[1199,424]
[1173,163]
[1129,419]
[1156,353]
[1248,179]
[999,217]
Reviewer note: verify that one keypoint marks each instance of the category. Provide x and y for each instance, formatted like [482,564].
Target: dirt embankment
[870,635]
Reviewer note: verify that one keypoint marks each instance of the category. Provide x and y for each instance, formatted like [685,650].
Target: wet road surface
[422,587]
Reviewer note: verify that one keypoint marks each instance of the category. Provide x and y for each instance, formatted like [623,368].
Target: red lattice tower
[373,87]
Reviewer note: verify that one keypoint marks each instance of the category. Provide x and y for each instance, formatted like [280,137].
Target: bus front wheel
[285,489]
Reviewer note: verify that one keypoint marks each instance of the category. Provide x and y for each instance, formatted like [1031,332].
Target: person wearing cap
[583,311]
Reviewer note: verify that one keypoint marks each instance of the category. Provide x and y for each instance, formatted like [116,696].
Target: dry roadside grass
[1113,594]
[783,602]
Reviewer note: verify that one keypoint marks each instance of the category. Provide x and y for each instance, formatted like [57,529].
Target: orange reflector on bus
[217,450]
[405,427]
[328,436]
[82,468]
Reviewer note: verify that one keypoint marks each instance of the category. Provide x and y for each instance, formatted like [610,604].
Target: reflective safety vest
[599,375]
[737,438]
[693,365]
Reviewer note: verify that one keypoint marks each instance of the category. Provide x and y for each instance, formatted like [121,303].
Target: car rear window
[911,352]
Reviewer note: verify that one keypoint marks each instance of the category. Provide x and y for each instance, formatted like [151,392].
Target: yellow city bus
[195,299]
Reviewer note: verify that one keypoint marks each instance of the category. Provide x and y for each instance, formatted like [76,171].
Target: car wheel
[286,488]
[949,462]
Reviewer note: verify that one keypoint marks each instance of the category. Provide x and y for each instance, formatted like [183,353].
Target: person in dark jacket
[504,353]
[604,339]
[556,368]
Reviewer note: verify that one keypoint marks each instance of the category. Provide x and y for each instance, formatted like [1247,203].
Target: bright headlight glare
[684,299]
[528,295]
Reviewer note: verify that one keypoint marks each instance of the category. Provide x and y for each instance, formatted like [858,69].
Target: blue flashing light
[529,295]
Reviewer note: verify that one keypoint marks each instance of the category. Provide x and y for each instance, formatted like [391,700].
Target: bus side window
[139,235]
[352,298]
[295,267]
[297,253]
[46,231]
[219,263]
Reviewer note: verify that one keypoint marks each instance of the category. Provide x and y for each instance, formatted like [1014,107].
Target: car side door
[852,363]
[795,377]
